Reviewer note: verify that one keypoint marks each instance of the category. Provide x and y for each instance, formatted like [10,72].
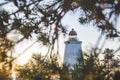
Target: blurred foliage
[103,14]
[94,68]
[116,75]
[5,46]
[39,68]
[5,73]
[65,73]
[44,19]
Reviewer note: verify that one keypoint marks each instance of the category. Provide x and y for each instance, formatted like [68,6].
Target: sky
[88,34]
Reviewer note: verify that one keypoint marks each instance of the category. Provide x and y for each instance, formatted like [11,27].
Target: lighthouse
[73,50]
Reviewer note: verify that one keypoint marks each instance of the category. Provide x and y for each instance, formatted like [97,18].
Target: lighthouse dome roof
[72,33]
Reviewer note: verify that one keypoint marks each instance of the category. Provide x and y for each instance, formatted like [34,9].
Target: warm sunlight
[13,76]
[59,39]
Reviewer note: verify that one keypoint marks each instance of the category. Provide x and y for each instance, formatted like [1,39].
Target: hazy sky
[88,34]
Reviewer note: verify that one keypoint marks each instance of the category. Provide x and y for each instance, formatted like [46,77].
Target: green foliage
[116,75]
[94,68]
[37,15]
[44,17]
[44,38]
[4,20]
[65,73]
[39,68]
[3,75]
[5,46]
[4,72]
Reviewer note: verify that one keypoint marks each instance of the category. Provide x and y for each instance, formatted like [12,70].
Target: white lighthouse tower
[73,50]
